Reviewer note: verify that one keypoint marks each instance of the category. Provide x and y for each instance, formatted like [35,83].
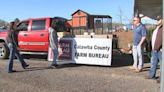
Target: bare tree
[123,17]
[120,15]
[3,23]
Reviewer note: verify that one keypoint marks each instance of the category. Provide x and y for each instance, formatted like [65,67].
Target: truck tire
[4,51]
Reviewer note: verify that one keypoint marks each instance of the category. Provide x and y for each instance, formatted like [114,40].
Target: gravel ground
[75,78]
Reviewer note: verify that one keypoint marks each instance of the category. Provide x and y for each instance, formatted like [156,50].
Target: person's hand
[139,45]
[18,48]
[60,51]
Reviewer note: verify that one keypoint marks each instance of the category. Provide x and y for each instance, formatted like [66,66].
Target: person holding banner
[140,34]
[53,43]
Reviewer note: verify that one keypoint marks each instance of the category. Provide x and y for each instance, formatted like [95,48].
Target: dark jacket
[13,37]
[158,40]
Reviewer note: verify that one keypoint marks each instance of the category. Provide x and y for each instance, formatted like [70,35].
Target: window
[23,26]
[38,25]
[1,29]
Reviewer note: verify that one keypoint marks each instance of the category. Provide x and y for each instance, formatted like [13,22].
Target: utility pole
[120,15]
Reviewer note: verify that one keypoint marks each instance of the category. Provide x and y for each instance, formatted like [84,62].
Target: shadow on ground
[36,56]
[125,60]
[38,68]
[118,60]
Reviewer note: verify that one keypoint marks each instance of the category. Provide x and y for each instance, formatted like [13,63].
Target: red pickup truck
[33,36]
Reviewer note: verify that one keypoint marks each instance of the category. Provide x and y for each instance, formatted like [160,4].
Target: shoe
[132,68]
[25,66]
[50,67]
[138,70]
[148,77]
[12,71]
[54,65]
[158,80]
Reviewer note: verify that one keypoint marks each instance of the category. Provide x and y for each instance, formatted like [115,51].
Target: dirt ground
[76,78]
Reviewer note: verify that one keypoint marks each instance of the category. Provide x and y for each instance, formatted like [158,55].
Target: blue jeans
[55,57]
[155,58]
[14,52]
[138,57]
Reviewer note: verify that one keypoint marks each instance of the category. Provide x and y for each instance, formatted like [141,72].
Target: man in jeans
[53,40]
[12,40]
[138,40]
[156,48]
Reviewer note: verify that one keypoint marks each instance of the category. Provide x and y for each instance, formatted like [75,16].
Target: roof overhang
[150,8]
[101,16]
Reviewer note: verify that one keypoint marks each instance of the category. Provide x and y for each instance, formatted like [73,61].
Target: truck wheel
[4,51]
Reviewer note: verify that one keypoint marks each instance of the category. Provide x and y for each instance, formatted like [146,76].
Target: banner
[94,51]
[64,51]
